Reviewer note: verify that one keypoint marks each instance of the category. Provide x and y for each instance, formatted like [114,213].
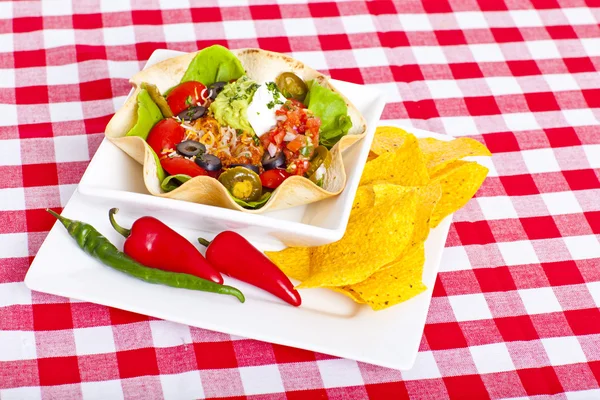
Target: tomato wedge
[166,134]
[273,178]
[186,95]
[180,165]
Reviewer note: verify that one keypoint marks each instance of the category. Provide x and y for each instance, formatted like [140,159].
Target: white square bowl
[113,175]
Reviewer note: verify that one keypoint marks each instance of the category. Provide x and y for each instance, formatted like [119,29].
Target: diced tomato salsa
[296,134]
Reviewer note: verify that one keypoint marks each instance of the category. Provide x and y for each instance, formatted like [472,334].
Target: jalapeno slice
[321,156]
[242,183]
[291,86]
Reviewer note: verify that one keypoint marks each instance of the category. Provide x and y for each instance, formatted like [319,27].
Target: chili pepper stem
[120,229]
[65,221]
[203,242]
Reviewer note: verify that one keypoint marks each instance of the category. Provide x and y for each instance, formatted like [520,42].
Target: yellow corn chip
[293,261]
[460,181]
[439,154]
[371,156]
[396,284]
[408,186]
[405,166]
[387,138]
[427,198]
[348,291]
[450,167]
[373,238]
[364,199]
[388,192]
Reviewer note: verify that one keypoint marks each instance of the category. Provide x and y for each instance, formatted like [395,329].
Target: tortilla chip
[387,139]
[396,194]
[373,238]
[428,197]
[439,154]
[387,192]
[449,168]
[293,261]
[348,291]
[405,166]
[364,199]
[460,181]
[400,282]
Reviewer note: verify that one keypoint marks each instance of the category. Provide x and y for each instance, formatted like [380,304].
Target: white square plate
[327,322]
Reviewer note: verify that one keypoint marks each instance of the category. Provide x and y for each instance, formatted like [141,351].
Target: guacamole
[229,108]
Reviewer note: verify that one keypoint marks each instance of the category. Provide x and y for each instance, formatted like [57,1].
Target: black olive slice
[190,148]
[192,113]
[277,161]
[215,89]
[209,162]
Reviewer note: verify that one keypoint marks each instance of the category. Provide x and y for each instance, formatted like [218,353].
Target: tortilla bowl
[261,66]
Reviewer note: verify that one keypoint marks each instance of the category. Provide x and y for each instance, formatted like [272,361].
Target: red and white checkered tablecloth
[515,311]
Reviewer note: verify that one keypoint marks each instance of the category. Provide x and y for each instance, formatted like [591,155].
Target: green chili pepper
[92,242]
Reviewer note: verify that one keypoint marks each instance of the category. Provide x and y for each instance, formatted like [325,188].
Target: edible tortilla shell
[261,66]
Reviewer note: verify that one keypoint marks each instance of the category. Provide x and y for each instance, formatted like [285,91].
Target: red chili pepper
[154,244]
[233,255]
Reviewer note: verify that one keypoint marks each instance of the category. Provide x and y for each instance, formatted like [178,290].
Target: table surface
[515,307]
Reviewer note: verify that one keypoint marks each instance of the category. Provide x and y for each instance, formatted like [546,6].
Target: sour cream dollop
[261,112]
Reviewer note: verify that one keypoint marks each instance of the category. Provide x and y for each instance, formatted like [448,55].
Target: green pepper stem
[203,242]
[120,229]
[66,222]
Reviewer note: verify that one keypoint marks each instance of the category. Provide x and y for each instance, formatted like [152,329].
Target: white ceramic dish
[327,322]
[112,175]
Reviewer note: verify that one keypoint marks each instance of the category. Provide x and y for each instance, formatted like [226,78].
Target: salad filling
[250,136]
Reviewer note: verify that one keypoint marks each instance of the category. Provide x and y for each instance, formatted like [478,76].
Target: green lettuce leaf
[172,182]
[214,64]
[148,114]
[253,204]
[160,172]
[158,99]
[331,108]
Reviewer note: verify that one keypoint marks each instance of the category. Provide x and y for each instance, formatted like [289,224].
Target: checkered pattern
[515,311]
